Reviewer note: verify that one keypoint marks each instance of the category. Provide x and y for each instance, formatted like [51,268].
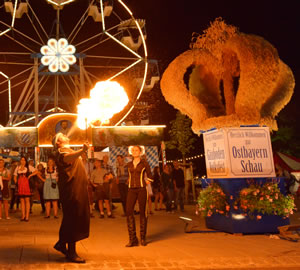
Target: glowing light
[106,99]
[58,55]
[59,2]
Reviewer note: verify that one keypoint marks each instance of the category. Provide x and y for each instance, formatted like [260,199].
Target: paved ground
[29,246]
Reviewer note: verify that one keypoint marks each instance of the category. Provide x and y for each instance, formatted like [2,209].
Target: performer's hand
[85,147]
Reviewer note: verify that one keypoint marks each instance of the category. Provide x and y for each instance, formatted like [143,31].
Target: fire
[106,99]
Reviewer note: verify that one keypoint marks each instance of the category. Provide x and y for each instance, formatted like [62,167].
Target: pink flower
[267,196]
[254,193]
[257,190]
[261,198]
[227,207]
[235,207]
[221,212]
[270,200]
[258,217]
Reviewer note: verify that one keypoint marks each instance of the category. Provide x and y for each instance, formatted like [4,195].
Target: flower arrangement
[264,199]
[212,200]
[254,201]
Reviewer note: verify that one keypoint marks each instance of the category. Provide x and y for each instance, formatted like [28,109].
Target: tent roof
[287,162]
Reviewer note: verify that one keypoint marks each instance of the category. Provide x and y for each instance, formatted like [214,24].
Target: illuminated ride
[53,52]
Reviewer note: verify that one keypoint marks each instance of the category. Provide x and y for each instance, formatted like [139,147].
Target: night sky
[170,25]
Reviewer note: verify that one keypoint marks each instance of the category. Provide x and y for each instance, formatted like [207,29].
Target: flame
[106,99]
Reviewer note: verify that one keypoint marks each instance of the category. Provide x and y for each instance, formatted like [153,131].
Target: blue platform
[231,224]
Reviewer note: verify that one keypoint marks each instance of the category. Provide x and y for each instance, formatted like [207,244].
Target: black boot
[133,241]
[72,255]
[143,231]
[61,247]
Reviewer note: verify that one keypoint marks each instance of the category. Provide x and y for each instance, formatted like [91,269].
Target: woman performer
[137,192]
[73,194]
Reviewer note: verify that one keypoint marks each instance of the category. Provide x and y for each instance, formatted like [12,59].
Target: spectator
[13,188]
[51,194]
[168,187]
[5,190]
[122,180]
[101,181]
[40,179]
[150,194]
[157,189]
[178,179]
[32,181]
[22,177]
[88,169]
[108,169]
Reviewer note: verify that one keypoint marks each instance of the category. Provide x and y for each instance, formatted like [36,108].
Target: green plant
[212,200]
[264,199]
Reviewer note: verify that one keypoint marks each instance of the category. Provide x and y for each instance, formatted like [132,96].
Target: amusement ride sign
[239,152]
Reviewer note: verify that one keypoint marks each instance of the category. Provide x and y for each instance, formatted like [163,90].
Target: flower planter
[234,222]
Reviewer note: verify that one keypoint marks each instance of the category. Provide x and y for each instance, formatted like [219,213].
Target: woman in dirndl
[22,177]
[51,194]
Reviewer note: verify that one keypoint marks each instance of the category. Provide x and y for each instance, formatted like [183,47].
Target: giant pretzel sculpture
[236,79]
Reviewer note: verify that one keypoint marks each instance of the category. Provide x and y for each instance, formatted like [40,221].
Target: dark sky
[170,25]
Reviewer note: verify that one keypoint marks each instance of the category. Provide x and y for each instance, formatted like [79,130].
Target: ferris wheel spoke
[111,57]
[87,77]
[29,97]
[13,77]
[88,39]
[80,22]
[35,29]
[24,90]
[22,34]
[125,69]
[37,19]
[69,88]
[13,86]
[123,45]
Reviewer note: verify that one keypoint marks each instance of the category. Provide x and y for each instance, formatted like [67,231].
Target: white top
[18,170]
[52,175]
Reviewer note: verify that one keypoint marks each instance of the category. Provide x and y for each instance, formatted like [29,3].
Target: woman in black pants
[137,192]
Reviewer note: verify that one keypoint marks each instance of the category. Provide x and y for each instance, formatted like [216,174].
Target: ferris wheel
[53,51]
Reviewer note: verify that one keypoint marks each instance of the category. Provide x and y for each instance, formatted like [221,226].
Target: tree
[182,137]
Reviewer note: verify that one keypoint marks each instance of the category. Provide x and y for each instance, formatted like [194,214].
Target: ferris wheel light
[58,55]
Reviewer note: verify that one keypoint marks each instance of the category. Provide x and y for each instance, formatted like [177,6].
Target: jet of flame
[106,99]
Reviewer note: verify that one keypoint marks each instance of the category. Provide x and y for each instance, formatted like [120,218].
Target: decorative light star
[58,55]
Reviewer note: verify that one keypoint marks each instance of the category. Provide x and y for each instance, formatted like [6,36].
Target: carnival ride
[54,51]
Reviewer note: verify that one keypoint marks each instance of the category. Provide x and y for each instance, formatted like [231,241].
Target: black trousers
[41,193]
[123,190]
[140,195]
[14,199]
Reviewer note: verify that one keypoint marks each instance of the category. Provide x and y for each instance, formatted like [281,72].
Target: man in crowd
[122,180]
[178,179]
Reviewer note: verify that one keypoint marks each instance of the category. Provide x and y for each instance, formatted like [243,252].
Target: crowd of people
[21,180]
[78,186]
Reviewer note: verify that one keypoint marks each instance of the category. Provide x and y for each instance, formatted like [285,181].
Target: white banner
[238,153]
